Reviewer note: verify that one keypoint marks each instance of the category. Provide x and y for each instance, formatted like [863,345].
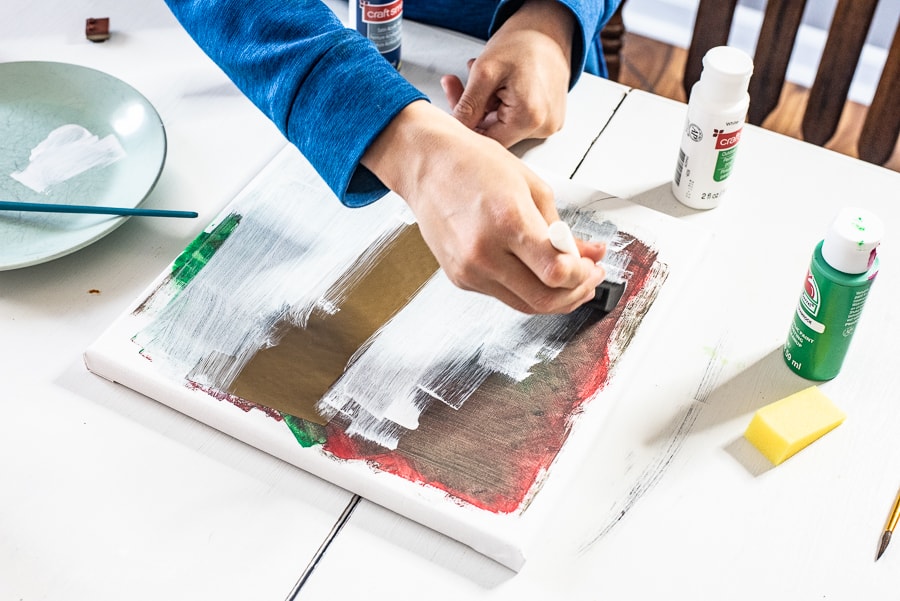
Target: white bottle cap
[851,242]
[726,73]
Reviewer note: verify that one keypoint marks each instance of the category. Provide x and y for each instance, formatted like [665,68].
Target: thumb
[453,89]
[544,199]
[472,105]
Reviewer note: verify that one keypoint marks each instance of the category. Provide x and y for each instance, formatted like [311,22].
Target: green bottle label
[829,308]
[724,164]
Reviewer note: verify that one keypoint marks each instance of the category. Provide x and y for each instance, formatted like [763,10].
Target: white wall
[672,21]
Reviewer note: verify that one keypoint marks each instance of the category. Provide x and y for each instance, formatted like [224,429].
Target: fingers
[522,114]
[557,271]
[500,111]
[483,213]
[517,87]
[595,251]
[515,261]
[514,283]
[546,205]
[567,265]
[562,240]
[453,88]
[472,104]
[526,271]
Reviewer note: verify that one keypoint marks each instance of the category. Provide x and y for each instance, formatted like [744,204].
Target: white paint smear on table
[68,150]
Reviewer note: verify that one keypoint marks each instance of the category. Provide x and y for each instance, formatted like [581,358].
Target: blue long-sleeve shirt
[326,87]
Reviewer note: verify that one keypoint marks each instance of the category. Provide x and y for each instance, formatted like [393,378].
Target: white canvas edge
[504,538]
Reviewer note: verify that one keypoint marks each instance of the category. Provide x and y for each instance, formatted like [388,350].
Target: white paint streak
[67,151]
[416,358]
[617,257]
[297,251]
[634,310]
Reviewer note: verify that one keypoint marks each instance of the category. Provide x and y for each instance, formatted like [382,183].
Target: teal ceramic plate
[70,135]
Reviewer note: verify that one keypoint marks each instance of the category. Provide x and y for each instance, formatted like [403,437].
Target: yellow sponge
[784,427]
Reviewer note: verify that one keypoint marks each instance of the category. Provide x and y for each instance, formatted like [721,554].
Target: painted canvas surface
[330,338]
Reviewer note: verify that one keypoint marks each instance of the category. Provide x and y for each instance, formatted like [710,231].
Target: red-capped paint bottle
[843,268]
[381,22]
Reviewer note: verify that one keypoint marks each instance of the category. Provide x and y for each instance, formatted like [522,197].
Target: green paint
[307,433]
[825,320]
[201,249]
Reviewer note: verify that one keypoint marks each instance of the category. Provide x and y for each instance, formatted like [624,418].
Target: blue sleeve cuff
[323,85]
[347,100]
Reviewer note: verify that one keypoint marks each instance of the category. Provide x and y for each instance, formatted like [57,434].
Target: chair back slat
[828,95]
[846,37]
[711,28]
[611,38]
[773,53]
[881,128]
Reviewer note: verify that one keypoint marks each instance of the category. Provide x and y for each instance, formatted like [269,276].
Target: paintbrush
[40,207]
[608,294]
[889,528]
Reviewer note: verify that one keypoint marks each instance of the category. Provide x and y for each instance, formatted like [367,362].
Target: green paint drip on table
[307,433]
[201,249]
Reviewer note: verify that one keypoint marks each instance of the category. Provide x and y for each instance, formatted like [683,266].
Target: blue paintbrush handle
[40,207]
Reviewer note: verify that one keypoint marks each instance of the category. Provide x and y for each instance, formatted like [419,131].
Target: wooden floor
[657,67]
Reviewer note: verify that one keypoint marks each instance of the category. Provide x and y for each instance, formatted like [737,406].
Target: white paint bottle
[715,117]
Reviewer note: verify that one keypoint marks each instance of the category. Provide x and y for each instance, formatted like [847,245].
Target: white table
[106,494]
[720,519]
[676,504]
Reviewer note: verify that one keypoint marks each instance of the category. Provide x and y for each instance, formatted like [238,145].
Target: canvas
[330,338]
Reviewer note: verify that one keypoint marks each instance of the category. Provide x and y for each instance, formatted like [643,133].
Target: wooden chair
[849,27]
[611,38]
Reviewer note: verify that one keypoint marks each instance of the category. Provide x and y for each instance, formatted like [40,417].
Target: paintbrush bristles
[885,540]
[893,519]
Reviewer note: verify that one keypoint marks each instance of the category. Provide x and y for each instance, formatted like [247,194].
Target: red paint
[242,404]
[568,383]
[560,390]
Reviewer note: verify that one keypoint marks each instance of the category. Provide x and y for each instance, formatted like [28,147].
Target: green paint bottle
[841,272]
